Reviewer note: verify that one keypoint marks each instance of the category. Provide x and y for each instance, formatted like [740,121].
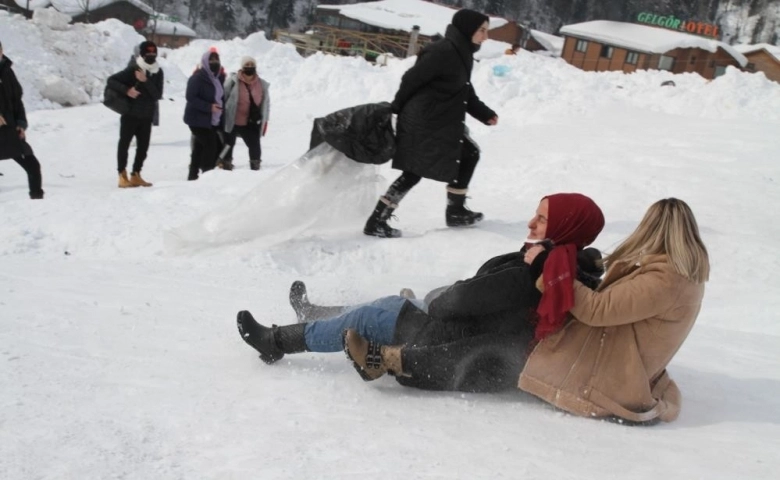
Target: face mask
[249,71]
[150,59]
[214,67]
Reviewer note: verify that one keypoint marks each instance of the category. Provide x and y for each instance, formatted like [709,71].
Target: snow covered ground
[119,355]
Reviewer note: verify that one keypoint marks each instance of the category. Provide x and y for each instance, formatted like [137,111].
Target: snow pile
[62,67]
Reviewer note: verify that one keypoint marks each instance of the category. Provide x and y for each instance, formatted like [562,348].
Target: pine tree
[225,17]
[280,13]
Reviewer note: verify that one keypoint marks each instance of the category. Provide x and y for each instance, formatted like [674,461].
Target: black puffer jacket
[432,102]
[145,105]
[500,298]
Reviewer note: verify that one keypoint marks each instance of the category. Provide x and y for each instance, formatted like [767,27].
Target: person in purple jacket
[203,113]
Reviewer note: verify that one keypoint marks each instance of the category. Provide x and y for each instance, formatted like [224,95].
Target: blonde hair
[669,228]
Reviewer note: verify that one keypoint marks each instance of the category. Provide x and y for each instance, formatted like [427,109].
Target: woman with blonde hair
[609,359]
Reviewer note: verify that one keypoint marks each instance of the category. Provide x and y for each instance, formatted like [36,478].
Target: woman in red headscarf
[495,308]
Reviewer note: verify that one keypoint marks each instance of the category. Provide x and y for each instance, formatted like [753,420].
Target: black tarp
[363,133]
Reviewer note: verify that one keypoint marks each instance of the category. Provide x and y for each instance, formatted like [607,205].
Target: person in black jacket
[499,300]
[13,123]
[431,138]
[203,112]
[142,81]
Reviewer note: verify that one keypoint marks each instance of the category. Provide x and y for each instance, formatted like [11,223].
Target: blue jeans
[374,321]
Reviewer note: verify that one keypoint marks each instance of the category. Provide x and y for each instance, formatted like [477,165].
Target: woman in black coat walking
[203,112]
[13,123]
[431,103]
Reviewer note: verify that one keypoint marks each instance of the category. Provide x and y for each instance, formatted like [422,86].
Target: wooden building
[166,32]
[762,57]
[396,19]
[605,45]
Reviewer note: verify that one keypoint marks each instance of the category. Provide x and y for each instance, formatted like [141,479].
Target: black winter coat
[499,299]
[432,102]
[12,110]
[145,105]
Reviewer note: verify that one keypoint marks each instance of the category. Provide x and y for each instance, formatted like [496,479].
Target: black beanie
[147,48]
[468,21]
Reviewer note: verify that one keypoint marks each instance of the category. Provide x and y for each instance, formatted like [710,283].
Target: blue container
[501,70]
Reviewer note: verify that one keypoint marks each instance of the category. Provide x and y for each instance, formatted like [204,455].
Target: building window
[665,63]
[720,70]
[751,67]
[581,46]
[606,51]
[632,58]
[693,60]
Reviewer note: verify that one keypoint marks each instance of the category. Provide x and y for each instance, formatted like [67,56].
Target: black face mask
[150,59]
[249,71]
[214,67]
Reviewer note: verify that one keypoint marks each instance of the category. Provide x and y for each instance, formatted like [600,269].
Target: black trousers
[250,134]
[205,145]
[130,127]
[468,163]
[486,363]
[32,166]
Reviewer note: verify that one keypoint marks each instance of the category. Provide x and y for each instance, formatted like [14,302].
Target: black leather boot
[272,343]
[458,215]
[377,226]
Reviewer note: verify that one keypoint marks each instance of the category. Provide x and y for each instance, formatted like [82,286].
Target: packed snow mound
[323,192]
[80,57]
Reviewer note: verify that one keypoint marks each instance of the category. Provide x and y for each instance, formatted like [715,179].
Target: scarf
[574,222]
[219,90]
[150,69]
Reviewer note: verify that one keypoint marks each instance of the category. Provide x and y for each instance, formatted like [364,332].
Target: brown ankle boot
[137,181]
[124,182]
[369,359]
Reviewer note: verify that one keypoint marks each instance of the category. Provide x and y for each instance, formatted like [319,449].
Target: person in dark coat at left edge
[13,124]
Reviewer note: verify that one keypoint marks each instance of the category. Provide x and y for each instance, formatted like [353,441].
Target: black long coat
[432,102]
[145,105]
[500,299]
[12,110]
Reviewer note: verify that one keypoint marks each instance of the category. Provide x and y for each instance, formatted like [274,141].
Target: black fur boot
[377,226]
[272,343]
[458,214]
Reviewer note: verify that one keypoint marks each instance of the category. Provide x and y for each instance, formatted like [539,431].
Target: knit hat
[147,48]
[248,61]
[468,21]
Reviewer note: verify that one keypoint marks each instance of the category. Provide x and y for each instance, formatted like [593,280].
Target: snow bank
[64,64]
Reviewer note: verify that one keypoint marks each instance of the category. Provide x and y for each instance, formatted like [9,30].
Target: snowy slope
[119,356]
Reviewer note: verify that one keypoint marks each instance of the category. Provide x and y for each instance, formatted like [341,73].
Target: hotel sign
[673,23]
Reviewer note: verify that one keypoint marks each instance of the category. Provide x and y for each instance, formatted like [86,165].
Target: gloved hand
[265,128]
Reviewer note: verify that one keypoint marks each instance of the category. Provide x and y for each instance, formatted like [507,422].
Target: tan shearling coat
[611,357]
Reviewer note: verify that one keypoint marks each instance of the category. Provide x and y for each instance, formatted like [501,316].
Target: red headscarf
[574,221]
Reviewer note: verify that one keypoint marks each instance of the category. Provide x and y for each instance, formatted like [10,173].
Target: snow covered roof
[167,27]
[746,49]
[76,7]
[404,14]
[646,39]
[551,43]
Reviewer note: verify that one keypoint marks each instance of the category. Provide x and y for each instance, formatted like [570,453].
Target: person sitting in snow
[203,112]
[13,124]
[500,299]
[431,138]
[602,353]
[143,83]
[247,106]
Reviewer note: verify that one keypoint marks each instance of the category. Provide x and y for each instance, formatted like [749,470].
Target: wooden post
[411,50]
